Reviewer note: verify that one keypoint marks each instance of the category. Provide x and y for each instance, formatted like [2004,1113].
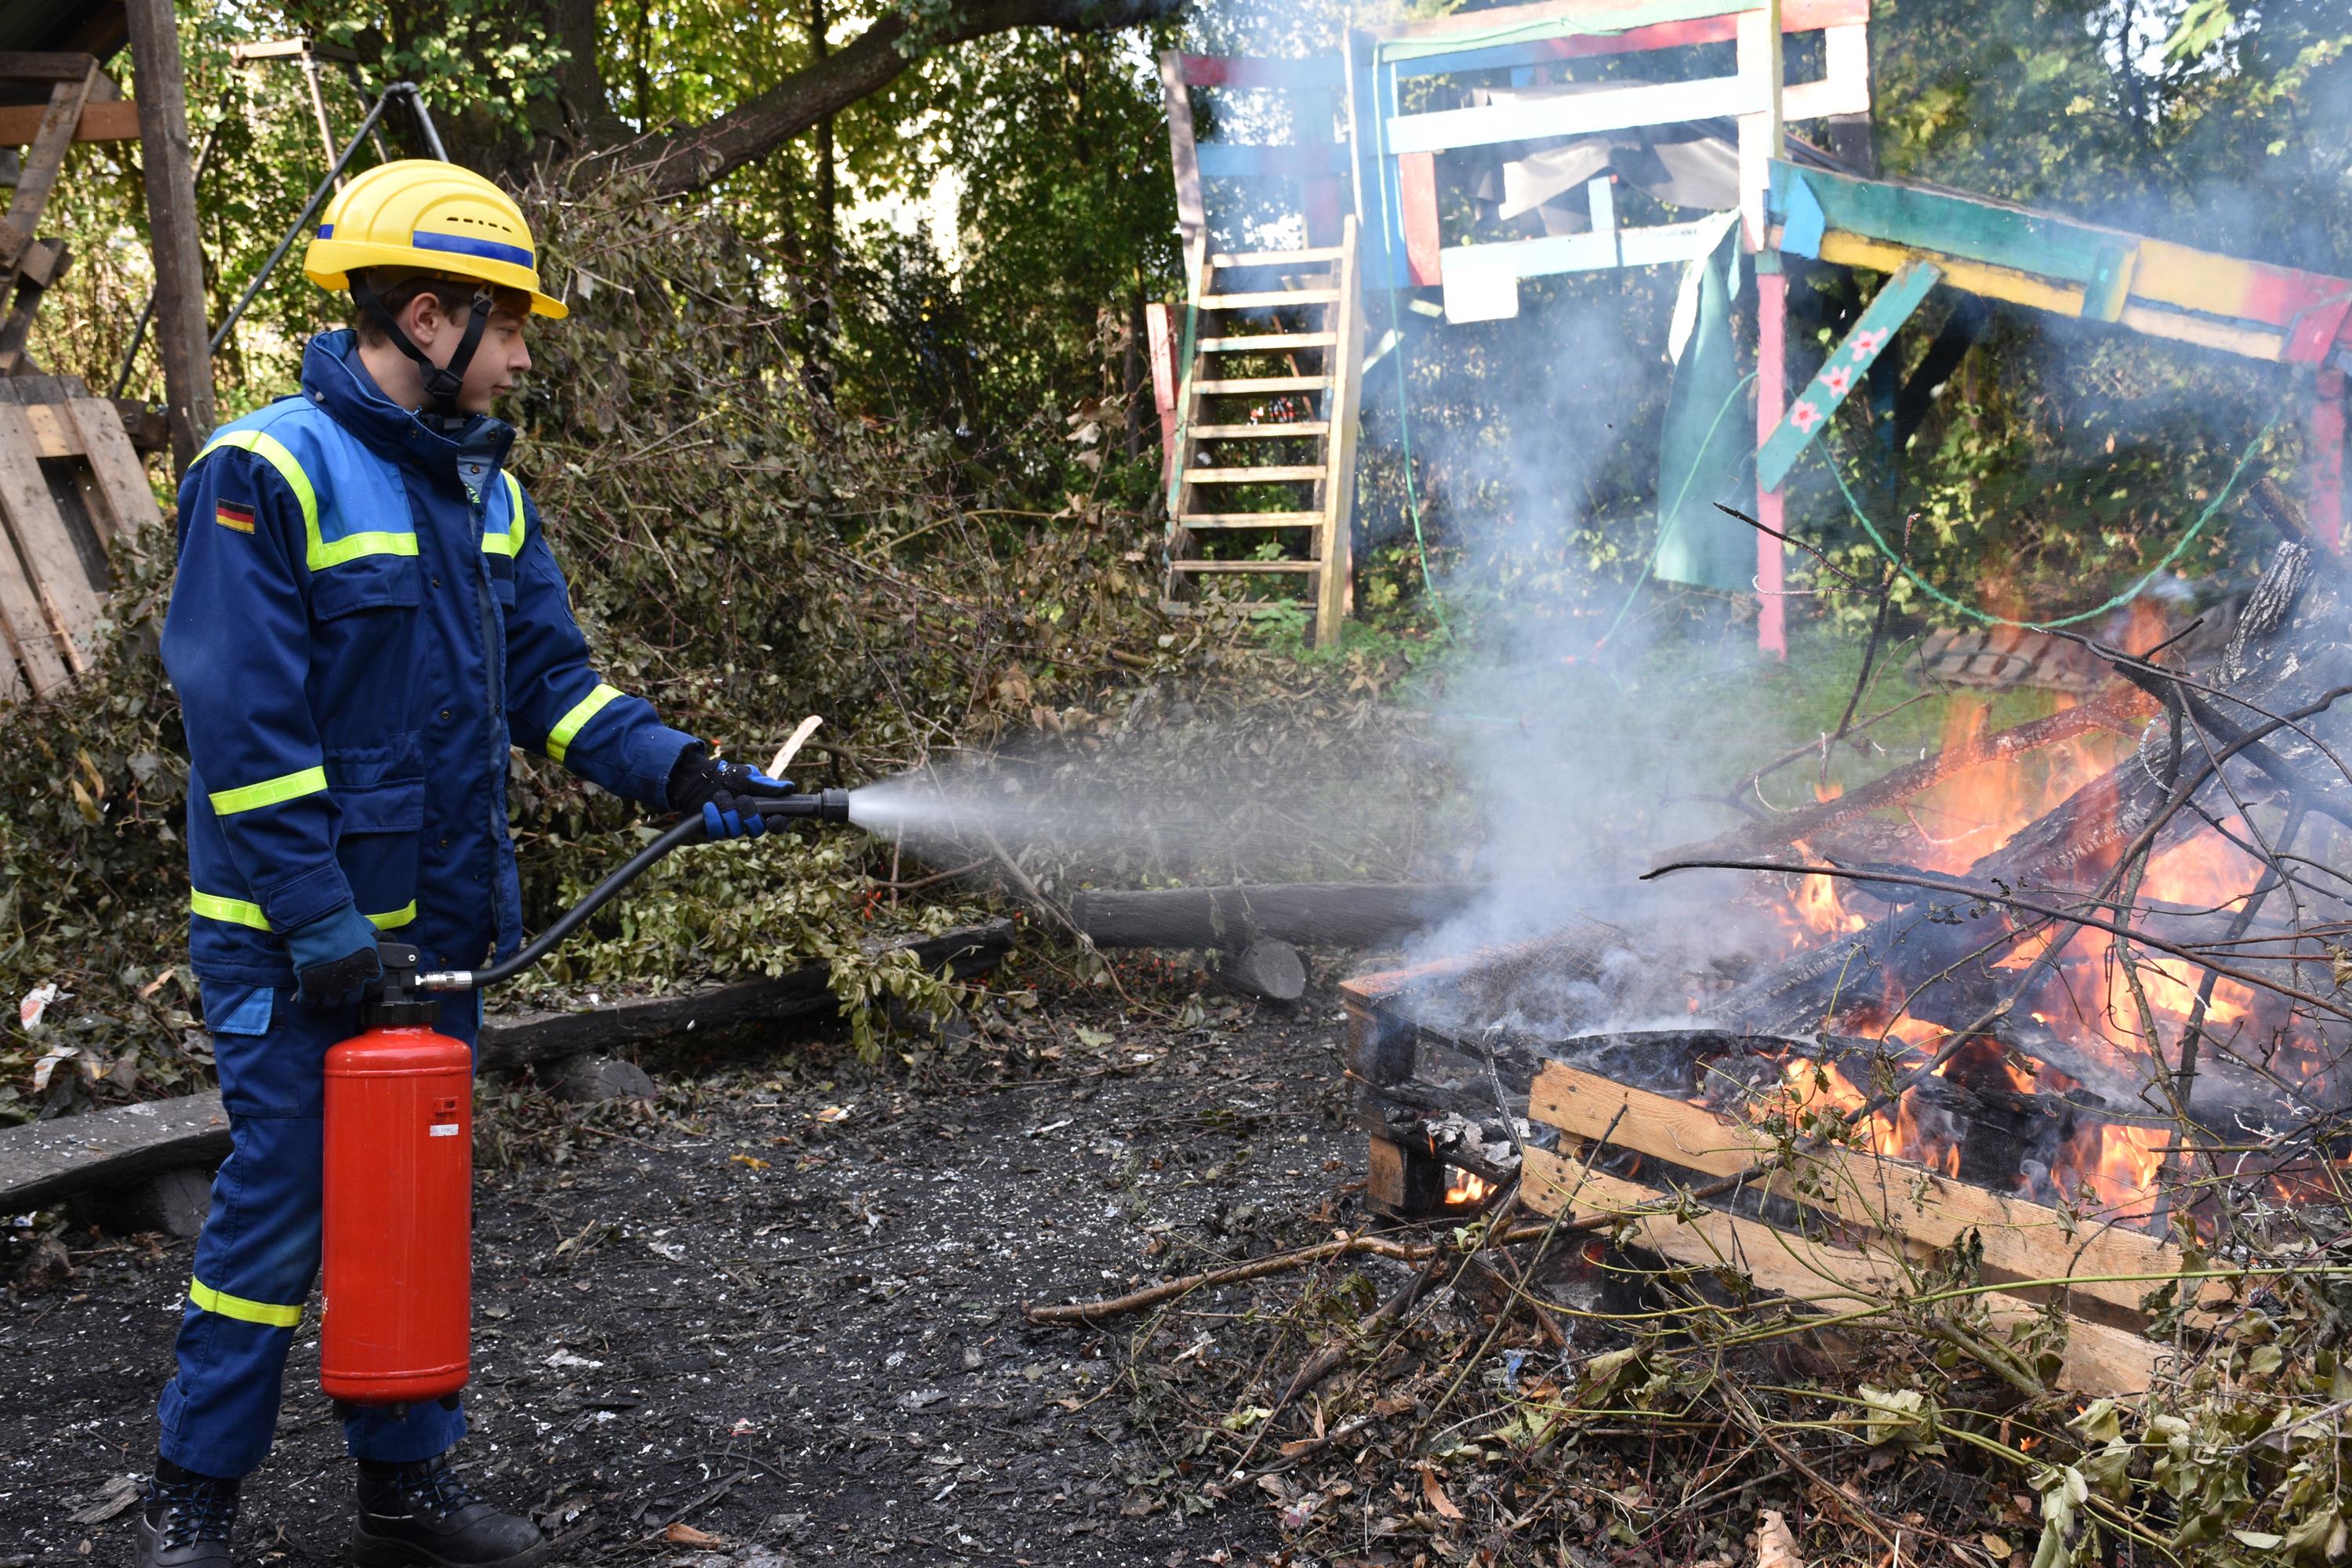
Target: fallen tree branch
[1090,1313]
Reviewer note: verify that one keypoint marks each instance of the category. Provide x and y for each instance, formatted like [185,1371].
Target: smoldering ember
[1551,782]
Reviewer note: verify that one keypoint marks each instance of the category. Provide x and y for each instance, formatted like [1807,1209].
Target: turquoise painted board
[1843,370]
[1956,226]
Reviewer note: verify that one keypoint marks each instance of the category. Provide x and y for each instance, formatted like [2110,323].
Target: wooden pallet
[73,494]
[1868,1224]
[1277,342]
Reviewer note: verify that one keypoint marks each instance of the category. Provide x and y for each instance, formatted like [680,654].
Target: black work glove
[724,793]
[335,962]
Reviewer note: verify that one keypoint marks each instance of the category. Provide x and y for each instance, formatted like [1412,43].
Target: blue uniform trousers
[259,1255]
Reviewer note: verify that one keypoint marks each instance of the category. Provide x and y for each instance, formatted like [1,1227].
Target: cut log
[1308,914]
[44,1162]
[1266,969]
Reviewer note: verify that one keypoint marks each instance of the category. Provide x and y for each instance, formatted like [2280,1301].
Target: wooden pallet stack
[1871,1227]
[73,494]
[1266,432]
[73,490]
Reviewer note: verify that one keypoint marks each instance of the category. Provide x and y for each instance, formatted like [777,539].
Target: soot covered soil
[777,1320]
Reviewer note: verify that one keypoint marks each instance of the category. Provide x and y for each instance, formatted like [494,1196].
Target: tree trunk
[182,338]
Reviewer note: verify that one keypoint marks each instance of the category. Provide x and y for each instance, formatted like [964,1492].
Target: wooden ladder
[1266,448]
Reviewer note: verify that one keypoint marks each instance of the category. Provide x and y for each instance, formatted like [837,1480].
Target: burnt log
[1306,914]
[2123,717]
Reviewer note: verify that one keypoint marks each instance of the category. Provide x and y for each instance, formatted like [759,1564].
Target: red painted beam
[1254,70]
[1417,201]
[1796,16]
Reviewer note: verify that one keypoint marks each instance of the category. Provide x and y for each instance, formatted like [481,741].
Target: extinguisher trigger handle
[397,954]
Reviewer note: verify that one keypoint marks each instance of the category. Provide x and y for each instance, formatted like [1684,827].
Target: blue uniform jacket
[366,616]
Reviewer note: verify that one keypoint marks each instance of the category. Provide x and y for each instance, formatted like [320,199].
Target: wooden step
[1209,566]
[1323,254]
[1268,343]
[1273,473]
[1258,432]
[1270,299]
[1251,519]
[1248,384]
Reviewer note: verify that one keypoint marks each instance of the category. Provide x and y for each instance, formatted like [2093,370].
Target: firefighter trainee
[366,615]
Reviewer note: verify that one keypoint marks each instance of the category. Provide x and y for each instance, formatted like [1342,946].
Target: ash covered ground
[778,1320]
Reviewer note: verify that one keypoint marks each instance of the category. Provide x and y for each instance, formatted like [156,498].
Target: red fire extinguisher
[399,1175]
[398,1204]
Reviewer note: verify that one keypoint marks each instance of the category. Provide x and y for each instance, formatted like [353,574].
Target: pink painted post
[1160,349]
[2327,456]
[1771,398]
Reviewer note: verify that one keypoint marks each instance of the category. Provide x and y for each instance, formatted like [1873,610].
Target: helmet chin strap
[442,383]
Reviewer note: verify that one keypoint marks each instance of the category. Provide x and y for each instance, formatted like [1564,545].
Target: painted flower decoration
[1804,417]
[1839,380]
[1867,344]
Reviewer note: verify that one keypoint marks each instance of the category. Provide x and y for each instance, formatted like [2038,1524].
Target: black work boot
[186,1521]
[421,1512]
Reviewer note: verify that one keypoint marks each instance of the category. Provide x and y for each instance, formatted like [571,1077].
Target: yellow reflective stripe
[567,729]
[239,912]
[318,552]
[510,542]
[236,911]
[271,450]
[206,1299]
[270,792]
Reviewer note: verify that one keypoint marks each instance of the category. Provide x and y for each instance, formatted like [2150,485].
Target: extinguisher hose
[823,806]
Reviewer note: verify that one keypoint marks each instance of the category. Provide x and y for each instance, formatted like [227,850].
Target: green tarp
[1707,454]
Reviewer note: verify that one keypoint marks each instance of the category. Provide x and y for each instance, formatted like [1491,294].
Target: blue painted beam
[1234,160]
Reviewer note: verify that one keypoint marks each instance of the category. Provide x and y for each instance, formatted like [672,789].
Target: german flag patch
[231,515]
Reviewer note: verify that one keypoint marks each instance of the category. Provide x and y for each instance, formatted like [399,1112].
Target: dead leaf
[1775,1547]
[1995,1546]
[687,1535]
[1441,1505]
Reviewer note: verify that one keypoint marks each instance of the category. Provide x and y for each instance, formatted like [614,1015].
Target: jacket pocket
[377,848]
[371,583]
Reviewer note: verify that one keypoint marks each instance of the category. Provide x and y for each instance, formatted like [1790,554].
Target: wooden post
[1771,395]
[180,337]
[1161,330]
[1334,584]
[1760,141]
[1192,211]
[2327,505]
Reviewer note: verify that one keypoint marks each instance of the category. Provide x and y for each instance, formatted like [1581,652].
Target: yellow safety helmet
[424,214]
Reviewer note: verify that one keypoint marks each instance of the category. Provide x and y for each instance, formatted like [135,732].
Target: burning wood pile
[2080,995]
[1965,1163]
